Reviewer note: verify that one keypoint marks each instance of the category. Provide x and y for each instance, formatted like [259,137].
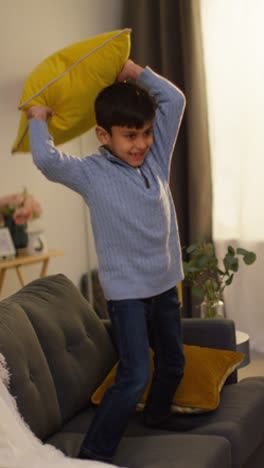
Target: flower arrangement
[21,206]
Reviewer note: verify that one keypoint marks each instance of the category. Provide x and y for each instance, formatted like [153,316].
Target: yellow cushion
[205,373]
[69,81]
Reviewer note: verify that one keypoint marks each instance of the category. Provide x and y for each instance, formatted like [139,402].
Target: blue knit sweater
[135,227]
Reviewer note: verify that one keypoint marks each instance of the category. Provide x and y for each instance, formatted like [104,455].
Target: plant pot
[212,308]
[18,232]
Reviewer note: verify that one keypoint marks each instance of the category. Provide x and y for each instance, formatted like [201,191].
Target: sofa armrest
[211,333]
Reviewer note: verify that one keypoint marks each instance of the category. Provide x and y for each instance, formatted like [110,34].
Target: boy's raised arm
[130,70]
[39,113]
[56,165]
[171,105]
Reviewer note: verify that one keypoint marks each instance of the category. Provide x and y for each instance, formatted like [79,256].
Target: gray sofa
[59,351]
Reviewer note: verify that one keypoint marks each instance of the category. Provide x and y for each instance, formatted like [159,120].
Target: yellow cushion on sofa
[205,373]
[69,81]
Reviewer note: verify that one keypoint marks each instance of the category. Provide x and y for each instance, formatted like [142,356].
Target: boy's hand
[39,113]
[130,70]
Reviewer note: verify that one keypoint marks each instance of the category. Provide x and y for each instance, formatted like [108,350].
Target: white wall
[31,30]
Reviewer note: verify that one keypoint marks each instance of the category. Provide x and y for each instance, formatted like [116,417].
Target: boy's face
[128,144]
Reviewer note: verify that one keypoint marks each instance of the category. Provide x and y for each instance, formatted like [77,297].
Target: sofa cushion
[239,419]
[205,373]
[31,382]
[75,342]
[174,451]
[70,437]
[150,451]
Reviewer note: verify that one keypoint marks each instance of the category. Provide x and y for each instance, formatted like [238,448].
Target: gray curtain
[166,35]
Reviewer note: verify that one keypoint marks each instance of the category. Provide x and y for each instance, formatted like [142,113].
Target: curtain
[234,62]
[166,36]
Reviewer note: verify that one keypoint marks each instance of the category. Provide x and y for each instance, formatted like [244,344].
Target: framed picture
[7,248]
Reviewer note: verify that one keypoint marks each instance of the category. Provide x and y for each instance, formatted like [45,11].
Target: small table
[25,259]
[242,345]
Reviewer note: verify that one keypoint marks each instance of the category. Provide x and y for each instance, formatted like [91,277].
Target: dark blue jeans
[137,323]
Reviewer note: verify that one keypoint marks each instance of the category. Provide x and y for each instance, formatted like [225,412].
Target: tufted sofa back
[57,349]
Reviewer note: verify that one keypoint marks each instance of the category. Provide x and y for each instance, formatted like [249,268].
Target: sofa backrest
[57,349]
[31,381]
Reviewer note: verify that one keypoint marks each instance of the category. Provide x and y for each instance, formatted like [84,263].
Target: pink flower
[21,206]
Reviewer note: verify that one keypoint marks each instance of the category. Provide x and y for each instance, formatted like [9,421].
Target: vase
[37,243]
[18,232]
[212,308]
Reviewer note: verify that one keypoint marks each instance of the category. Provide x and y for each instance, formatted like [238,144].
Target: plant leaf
[229,280]
[241,251]
[231,262]
[192,248]
[188,267]
[231,250]
[221,272]
[202,260]
[249,258]
[198,291]
[209,249]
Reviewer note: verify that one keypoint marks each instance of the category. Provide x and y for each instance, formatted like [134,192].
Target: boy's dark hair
[125,104]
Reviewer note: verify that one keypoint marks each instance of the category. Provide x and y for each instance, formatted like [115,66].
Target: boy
[136,236]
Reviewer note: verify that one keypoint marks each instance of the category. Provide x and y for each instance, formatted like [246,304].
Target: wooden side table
[23,260]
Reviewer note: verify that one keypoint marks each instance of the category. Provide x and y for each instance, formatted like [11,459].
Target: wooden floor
[255,367]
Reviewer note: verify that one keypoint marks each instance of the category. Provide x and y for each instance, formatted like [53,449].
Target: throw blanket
[19,447]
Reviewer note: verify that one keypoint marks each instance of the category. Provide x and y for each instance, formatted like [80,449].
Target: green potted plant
[205,277]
